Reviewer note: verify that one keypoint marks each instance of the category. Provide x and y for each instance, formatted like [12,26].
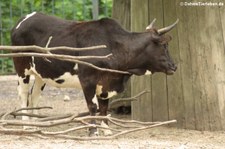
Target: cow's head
[155,53]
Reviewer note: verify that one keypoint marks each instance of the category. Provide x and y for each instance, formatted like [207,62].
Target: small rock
[66,98]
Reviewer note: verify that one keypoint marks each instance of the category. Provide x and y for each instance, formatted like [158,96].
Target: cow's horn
[151,24]
[168,28]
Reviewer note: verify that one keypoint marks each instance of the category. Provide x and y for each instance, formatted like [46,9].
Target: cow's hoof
[107,132]
[93,133]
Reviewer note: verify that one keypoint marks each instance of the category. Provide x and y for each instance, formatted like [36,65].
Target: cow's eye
[165,46]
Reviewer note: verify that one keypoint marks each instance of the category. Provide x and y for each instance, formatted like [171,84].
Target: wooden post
[159,86]
[221,88]
[121,12]
[141,109]
[174,87]
[195,94]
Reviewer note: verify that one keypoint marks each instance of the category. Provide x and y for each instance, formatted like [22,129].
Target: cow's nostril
[175,67]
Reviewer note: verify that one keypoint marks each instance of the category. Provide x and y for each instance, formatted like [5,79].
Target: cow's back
[37,28]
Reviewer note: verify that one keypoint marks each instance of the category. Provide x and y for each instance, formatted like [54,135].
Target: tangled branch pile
[120,127]
[71,124]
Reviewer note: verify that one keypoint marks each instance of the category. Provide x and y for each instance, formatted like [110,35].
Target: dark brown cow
[133,52]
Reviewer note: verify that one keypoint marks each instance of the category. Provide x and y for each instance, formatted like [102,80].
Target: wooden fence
[195,94]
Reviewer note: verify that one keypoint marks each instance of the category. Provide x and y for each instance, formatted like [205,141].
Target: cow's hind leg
[23,92]
[38,86]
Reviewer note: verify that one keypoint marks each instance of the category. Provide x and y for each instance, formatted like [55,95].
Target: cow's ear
[137,72]
[163,39]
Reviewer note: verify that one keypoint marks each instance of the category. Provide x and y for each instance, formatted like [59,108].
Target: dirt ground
[160,137]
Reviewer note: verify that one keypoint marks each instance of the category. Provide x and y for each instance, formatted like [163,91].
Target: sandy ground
[160,137]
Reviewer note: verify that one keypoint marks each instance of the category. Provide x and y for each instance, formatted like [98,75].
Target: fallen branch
[61,134]
[121,127]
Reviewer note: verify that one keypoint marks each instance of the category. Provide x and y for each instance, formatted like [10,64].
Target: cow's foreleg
[23,92]
[103,107]
[38,86]
[89,93]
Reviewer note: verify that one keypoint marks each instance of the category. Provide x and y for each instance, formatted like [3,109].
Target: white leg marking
[27,16]
[111,94]
[75,67]
[36,92]
[95,100]
[99,92]
[106,132]
[23,92]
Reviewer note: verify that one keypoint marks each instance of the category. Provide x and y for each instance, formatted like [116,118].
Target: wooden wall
[195,94]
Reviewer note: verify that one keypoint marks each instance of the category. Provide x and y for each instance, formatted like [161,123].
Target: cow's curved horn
[151,24]
[168,28]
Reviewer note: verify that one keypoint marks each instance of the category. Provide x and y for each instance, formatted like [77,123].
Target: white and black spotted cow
[133,52]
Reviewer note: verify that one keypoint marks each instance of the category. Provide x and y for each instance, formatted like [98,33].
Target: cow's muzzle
[171,70]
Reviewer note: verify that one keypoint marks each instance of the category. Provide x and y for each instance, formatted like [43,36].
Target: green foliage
[12,10]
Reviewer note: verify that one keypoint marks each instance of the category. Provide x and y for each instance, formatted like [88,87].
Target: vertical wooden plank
[185,64]
[209,104]
[136,105]
[197,56]
[141,109]
[121,12]
[222,87]
[159,90]
[174,82]
[214,75]
[139,17]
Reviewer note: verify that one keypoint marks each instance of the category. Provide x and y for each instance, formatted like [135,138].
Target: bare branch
[49,40]
[46,50]
[130,98]
[56,56]
[74,59]
[15,114]
[33,108]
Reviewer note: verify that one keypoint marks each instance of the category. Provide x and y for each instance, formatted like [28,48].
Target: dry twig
[122,126]
[129,98]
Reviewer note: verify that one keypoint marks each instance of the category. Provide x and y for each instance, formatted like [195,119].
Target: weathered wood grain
[174,87]
[195,94]
[159,86]
[141,109]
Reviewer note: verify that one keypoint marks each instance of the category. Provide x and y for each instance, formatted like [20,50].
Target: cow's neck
[131,52]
